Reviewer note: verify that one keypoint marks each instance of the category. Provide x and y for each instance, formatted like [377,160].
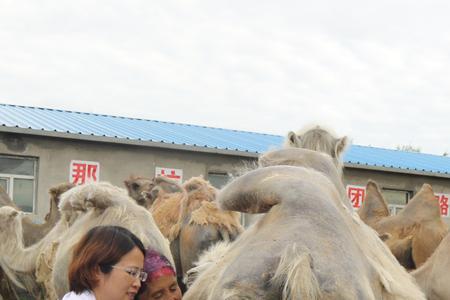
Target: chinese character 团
[356,195]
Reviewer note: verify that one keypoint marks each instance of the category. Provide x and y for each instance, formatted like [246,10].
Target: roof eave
[396,170]
[117,140]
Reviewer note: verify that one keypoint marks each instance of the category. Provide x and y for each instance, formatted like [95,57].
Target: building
[40,148]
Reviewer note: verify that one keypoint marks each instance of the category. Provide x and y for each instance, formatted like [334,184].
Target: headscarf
[157,265]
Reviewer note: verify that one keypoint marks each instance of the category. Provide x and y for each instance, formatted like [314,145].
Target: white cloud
[377,72]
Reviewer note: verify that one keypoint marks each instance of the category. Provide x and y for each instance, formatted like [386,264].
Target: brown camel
[165,200]
[289,253]
[414,233]
[33,232]
[136,186]
[187,215]
[433,276]
[202,223]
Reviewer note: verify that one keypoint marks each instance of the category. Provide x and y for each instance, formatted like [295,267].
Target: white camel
[82,208]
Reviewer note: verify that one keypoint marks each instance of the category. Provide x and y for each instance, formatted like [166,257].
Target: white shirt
[86,295]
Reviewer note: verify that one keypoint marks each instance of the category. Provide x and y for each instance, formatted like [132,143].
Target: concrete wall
[392,180]
[117,161]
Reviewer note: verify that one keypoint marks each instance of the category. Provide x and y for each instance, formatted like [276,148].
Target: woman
[161,281]
[106,265]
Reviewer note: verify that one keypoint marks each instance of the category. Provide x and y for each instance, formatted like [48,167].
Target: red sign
[356,195]
[175,174]
[443,203]
[84,171]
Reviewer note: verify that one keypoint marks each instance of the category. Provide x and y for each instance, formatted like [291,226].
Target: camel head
[55,195]
[318,139]
[137,186]
[10,222]
[198,190]
[56,191]
[160,187]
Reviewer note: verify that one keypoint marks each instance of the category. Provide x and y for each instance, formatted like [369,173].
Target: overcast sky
[376,71]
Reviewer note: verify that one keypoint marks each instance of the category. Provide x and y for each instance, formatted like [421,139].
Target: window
[17,178]
[396,199]
[218,180]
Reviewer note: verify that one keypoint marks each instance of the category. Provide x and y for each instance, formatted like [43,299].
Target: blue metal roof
[121,128]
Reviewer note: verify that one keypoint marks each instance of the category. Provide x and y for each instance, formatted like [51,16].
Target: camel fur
[82,208]
[288,253]
[34,232]
[202,223]
[188,216]
[415,232]
[433,276]
[319,139]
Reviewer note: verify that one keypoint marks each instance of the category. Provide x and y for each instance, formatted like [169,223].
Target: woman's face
[162,288]
[118,284]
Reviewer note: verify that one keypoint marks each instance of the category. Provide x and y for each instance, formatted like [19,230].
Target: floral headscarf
[157,265]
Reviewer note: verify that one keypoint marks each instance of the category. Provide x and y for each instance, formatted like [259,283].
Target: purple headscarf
[157,265]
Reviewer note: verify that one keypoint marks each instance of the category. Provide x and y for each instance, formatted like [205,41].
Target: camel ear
[293,140]
[341,145]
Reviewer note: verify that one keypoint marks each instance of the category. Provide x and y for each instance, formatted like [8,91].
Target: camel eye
[135,186]
[191,187]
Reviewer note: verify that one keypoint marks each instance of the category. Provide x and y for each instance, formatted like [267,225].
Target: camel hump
[374,206]
[259,190]
[424,205]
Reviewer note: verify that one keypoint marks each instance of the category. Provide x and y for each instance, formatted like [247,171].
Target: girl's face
[119,284]
[162,288]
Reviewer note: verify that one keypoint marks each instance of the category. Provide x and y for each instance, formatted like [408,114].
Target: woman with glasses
[107,264]
[161,283]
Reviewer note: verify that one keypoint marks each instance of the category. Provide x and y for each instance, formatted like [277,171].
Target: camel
[202,223]
[304,158]
[289,253]
[414,233]
[319,139]
[187,215]
[139,188]
[161,195]
[433,276]
[33,232]
[136,185]
[82,208]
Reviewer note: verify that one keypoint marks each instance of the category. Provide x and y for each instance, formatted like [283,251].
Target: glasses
[133,272]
